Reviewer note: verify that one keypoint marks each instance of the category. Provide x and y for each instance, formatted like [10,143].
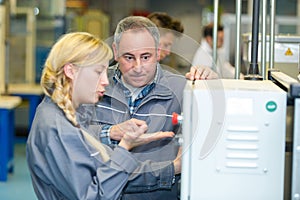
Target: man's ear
[209,40]
[115,51]
[158,53]
[69,71]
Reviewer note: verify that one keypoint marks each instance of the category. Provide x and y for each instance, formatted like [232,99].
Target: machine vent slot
[242,129]
[241,150]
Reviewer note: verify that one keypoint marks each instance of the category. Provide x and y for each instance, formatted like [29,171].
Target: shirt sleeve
[104,134]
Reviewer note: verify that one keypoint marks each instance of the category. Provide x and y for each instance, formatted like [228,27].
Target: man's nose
[137,65]
[168,51]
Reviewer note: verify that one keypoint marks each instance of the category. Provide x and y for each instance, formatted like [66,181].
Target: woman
[65,161]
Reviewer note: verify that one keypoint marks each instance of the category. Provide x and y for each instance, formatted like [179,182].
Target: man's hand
[177,161]
[201,73]
[117,131]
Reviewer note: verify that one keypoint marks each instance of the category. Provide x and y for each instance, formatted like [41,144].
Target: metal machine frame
[290,85]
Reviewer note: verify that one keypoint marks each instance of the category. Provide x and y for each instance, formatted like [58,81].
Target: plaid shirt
[104,135]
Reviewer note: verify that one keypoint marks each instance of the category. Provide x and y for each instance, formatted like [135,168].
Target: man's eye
[168,46]
[146,57]
[129,58]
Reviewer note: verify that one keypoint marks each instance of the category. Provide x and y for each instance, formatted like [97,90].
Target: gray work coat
[63,165]
[156,109]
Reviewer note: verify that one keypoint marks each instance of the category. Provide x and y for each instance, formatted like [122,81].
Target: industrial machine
[286,54]
[292,165]
[233,140]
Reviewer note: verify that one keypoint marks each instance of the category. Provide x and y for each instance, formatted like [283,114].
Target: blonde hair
[80,49]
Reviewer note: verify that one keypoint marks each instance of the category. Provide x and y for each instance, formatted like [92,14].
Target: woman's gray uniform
[63,165]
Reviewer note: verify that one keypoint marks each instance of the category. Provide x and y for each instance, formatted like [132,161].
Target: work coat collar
[160,90]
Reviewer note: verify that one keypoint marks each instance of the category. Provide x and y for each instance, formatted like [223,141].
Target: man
[203,55]
[140,89]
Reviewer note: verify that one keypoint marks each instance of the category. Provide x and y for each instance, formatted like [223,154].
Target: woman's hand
[138,137]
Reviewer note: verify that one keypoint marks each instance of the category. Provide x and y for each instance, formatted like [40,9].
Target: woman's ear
[69,71]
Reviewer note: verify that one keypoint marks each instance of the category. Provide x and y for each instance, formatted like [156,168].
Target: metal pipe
[238,41]
[253,72]
[6,53]
[215,34]
[255,29]
[272,33]
[263,40]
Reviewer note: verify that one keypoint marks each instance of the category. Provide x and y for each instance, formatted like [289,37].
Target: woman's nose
[104,80]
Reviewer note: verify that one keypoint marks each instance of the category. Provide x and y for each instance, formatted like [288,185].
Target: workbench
[7,132]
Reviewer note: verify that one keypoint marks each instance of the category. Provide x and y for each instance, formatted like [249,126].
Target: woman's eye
[99,72]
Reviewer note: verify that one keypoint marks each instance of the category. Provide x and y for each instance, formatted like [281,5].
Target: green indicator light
[271,106]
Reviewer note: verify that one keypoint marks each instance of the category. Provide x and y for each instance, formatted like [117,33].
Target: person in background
[170,29]
[140,89]
[65,160]
[204,54]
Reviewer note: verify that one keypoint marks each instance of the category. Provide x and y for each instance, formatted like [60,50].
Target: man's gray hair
[136,23]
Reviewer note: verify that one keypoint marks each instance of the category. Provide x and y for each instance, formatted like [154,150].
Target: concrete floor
[18,186]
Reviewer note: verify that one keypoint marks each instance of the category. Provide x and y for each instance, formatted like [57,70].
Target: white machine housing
[233,140]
